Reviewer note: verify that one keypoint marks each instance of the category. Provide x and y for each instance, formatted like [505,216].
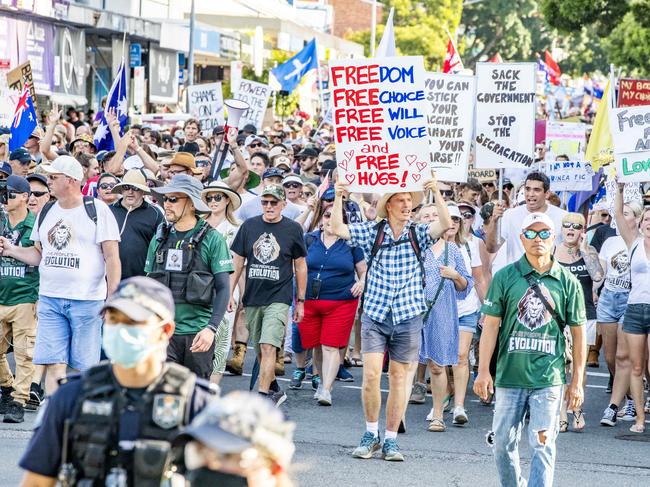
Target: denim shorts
[402,341]
[611,306]
[468,322]
[637,319]
[69,332]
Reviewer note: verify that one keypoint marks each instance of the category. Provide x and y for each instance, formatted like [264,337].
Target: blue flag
[24,121]
[290,73]
[116,100]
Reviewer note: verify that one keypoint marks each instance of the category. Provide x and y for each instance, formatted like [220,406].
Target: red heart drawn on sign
[416,177]
[348,154]
[343,165]
[421,165]
[351,177]
[411,159]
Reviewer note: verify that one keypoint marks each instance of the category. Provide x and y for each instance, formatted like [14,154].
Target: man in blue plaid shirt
[393,305]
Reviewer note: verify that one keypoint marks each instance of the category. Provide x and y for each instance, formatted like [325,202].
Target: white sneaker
[319,391]
[459,415]
[430,415]
[325,398]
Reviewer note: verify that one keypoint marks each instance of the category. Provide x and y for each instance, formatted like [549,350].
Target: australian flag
[290,73]
[116,100]
[24,121]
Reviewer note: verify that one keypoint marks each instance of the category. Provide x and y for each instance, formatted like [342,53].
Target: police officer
[113,424]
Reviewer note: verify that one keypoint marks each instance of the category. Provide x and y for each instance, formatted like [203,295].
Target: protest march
[304,243]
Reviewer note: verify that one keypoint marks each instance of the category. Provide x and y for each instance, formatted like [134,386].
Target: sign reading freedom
[505,115]
[380,122]
[630,129]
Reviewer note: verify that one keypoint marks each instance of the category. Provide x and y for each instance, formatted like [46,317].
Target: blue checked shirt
[394,282]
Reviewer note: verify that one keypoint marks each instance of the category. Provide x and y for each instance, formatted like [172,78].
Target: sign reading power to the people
[379,115]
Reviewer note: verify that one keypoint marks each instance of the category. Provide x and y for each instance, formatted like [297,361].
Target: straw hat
[184,159]
[417,197]
[221,187]
[135,178]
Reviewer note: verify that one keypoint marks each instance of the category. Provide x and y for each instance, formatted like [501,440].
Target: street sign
[135,55]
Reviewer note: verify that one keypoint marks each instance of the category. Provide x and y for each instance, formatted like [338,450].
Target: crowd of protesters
[274,253]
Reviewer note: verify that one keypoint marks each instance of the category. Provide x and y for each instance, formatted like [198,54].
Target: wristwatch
[212,328]
[300,300]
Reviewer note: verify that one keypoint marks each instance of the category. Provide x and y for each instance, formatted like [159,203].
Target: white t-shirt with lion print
[72,264]
[617,271]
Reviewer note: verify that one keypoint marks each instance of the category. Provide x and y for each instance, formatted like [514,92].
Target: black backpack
[89,206]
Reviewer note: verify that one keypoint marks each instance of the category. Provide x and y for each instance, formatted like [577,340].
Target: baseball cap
[5,167]
[282,161]
[537,217]
[140,297]
[21,155]
[468,205]
[18,184]
[250,128]
[37,177]
[308,152]
[275,191]
[277,150]
[453,211]
[507,182]
[273,172]
[66,165]
[292,178]
[328,165]
[251,139]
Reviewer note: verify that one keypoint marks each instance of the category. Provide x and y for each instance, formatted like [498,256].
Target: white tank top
[640,274]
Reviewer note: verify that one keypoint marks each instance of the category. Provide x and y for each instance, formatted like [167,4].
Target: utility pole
[190,59]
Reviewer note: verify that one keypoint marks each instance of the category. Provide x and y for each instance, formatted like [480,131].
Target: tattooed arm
[592,261]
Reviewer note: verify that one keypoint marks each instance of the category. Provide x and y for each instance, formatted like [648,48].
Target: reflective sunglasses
[467,215]
[270,202]
[214,197]
[173,199]
[38,194]
[106,186]
[128,187]
[532,234]
[292,185]
[202,163]
[575,226]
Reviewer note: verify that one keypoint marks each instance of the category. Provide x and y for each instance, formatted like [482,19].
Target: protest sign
[565,139]
[206,105]
[483,175]
[505,115]
[18,76]
[380,122]
[633,92]
[630,128]
[450,101]
[569,175]
[257,97]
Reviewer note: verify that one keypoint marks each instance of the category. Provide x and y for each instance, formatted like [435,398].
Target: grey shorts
[637,319]
[402,340]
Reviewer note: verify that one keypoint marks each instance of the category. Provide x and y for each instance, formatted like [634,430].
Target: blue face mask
[128,345]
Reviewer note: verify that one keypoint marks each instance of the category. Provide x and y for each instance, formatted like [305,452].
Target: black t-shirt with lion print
[269,250]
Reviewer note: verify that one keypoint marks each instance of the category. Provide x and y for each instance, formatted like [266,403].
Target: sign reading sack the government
[630,127]
[450,101]
[505,115]
[206,105]
[380,123]
[257,96]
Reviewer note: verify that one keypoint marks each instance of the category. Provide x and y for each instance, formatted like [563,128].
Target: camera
[4,195]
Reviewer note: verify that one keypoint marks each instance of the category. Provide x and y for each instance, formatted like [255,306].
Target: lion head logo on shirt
[60,235]
[620,262]
[531,311]
[266,249]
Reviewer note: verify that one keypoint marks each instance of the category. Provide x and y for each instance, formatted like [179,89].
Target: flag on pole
[24,121]
[600,146]
[116,100]
[552,68]
[289,74]
[387,45]
[495,59]
[453,64]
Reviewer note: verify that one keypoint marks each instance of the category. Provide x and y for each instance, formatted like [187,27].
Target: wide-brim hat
[135,178]
[254,179]
[182,183]
[83,138]
[221,187]
[417,197]
[184,159]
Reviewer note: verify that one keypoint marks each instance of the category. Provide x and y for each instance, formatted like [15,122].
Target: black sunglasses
[575,226]
[488,185]
[12,195]
[292,185]
[106,186]
[215,197]
[467,215]
[270,202]
[173,199]
[255,146]
[446,192]
[128,187]
[38,194]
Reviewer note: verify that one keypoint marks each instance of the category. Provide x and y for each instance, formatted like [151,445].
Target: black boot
[15,413]
[6,399]
[36,396]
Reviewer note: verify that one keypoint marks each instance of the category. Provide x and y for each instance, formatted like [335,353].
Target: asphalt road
[325,436]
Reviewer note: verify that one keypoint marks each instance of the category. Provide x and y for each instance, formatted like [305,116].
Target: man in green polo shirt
[527,306]
[18,296]
[193,260]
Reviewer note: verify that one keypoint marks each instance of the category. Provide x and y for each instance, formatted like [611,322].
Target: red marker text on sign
[362,115]
[378,178]
[359,98]
[381,162]
[357,75]
[356,134]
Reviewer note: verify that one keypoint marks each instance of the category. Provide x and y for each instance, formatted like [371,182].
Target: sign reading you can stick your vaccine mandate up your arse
[379,114]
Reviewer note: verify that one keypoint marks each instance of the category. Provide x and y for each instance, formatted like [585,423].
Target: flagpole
[453,43]
[373,28]
[320,81]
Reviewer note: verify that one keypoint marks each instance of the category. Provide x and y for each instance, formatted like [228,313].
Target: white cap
[533,218]
[292,178]
[454,211]
[133,162]
[67,165]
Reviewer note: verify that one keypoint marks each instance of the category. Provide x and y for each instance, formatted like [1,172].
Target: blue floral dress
[440,332]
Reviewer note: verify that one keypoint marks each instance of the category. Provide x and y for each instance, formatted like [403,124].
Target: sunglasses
[446,192]
[106,186]
[455,219]
[575,226]
[328,200]
[605,215]
[202,163]
[183,171]
[215,197]
[38,194]
[128,187]
[270,202]
[12,195]
[532,234]
[467,215]
[292,185]
[488,185]
[173,199]
[255,146]
[307,194]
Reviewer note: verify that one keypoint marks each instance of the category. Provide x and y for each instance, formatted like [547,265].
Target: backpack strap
[46,208]
[538,292]
[89,206]
[376,245]
[413,238]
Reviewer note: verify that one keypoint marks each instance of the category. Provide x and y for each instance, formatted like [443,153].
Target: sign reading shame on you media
[379,113]
[630,129]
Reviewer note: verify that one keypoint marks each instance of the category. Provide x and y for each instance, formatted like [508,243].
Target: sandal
[637,428]
[356,362]
[446,403]
[579,420]
[437,425]
[564,426]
